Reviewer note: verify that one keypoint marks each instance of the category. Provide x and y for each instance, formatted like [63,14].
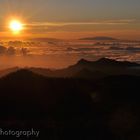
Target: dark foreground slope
[52,106]
[71,108]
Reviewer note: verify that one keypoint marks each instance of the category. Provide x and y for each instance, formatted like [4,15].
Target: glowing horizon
[73,19]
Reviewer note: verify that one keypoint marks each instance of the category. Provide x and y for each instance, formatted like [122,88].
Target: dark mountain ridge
[103,66]
[106,108]
[107,62]
[86,69]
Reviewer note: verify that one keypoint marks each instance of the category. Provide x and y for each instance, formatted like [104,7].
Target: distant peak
[104,59]
[83,61]
[99,38]
[22,72]
[107,61]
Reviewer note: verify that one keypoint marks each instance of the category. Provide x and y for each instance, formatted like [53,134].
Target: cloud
[11,51]
[99,22]
[133,49]
[7,51]
[24,51]
[2,49]
[85,26]
[117,48]
[70,49]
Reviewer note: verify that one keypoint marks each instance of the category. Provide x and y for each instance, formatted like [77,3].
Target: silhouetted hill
[107,62]
[7,71]
[100,38]
[106,66]
[111,62]
[105,108]
[25,87]
[23,74]
[83,68]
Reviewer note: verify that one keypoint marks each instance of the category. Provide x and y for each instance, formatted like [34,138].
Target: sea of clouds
[62,53]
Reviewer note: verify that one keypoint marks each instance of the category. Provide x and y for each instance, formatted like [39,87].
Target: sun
[15,26]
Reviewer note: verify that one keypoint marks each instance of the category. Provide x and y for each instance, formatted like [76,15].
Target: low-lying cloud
[13,51]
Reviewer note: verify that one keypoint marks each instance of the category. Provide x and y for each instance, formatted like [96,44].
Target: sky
[73,18]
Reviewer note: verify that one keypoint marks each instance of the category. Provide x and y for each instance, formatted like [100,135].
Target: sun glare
[16,26]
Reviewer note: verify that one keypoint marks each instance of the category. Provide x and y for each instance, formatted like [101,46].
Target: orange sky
[72,19]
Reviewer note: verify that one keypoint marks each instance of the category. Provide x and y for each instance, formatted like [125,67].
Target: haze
[75,18]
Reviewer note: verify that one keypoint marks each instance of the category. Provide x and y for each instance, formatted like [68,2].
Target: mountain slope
[24,87]
[107,108]
[89,69]
[5,72]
